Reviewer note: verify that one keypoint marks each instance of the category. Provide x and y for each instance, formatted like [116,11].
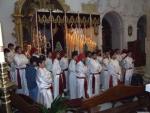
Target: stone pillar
[147,49]
[99,38]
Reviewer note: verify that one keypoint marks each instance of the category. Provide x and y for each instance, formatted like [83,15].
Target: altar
[58,30]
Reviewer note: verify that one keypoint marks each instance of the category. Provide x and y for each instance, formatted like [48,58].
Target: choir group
[83,75]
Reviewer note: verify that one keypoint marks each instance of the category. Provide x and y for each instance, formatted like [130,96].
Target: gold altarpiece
[24,11]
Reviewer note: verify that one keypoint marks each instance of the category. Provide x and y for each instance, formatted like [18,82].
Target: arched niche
[23,14]
[112,23]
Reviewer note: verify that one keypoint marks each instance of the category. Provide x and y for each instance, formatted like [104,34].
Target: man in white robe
[94,79]
[105,74]
[49,62]
[10,58]
[114,70]
[64,67]
[81,70]
[72,76]
[44,82]
[118,55]
[57,74]
[20,62]
[129,68]
[99,56]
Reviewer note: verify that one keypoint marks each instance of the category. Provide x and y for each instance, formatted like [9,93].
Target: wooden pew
[24,104]
[118,93]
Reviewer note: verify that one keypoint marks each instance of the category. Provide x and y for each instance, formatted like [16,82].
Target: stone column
[99,38]
[147,49]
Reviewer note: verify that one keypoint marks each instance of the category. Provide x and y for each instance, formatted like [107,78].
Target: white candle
[2,58]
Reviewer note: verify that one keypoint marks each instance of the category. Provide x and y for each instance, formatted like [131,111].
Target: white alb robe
[88,66]
[114,70]
[20,61]
[56,70]
[105,74]
[94,69]
[44,82]
[81,70]
[10,58]
[129,67]
[72,79]
[64,67]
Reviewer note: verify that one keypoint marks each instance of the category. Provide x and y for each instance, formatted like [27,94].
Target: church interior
[74,56]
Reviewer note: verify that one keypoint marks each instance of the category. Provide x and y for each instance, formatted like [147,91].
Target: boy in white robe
[20,62]
[10,58]
[44,82]
[129,68]
[99,56]
[72,76]
[114,70]
[58,78]
[105,73]
[64,67]
[95,70]
[49,62]
[81,70]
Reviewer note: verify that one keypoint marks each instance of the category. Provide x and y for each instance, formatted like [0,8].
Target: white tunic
[20,61]
[105,74]
[115,71]
[129,67]
[44,82]
[72,79]
[10,58]
[88,66]
[56,70]
[64,66]
[95,69]
[81,70]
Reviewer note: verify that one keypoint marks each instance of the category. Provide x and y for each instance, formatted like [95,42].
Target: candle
[2,58]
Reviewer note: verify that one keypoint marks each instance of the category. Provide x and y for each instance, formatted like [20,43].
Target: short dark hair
[74,53]
[10,45]
[33,59]
[17,47]
[49,51]
[94,53]
[41,59]
[6,50]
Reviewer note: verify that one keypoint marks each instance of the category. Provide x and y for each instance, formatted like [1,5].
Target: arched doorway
[141,35]
[112,32]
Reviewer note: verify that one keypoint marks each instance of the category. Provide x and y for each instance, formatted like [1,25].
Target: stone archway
[141,35]
[112,24]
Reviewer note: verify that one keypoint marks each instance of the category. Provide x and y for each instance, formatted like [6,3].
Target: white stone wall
[129,11]
[6,11]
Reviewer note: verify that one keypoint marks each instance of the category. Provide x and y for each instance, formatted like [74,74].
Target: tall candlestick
[2,58]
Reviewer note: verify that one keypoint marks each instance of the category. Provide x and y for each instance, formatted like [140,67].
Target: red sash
[64,80]
[62,83]
[51,88]
[85,88]
[93,84]
[18,79]
[110,82]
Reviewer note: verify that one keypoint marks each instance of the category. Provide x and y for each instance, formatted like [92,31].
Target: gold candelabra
[5,87]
